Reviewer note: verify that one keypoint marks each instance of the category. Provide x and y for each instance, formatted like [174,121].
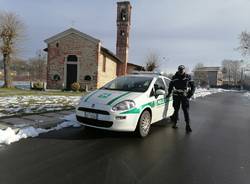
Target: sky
[178,31]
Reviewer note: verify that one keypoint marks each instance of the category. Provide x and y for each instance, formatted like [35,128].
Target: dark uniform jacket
[182,85]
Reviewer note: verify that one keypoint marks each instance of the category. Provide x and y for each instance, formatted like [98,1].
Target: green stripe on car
[163,101]
[113,100]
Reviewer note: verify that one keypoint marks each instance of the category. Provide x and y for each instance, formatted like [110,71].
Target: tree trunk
[7,76]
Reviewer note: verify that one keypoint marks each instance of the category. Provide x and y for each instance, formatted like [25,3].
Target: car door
[169,110]
[159,101]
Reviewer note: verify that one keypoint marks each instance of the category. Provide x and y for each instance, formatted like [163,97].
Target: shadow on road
[85,133]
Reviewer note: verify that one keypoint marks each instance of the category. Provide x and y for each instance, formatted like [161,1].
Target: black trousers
[182,101]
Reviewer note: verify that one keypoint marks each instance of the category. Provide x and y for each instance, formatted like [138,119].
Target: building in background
[208,76]
[133,67]
[74,56]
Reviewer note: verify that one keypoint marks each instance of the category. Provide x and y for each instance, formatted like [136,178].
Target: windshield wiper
[117,89]
[109,88]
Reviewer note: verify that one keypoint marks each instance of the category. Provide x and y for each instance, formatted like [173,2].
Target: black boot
[188,129]
[174,125]
[172,118]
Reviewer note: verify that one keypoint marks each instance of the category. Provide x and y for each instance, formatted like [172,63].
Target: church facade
[74,56]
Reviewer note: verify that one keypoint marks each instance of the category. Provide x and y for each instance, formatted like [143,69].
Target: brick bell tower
[123,28]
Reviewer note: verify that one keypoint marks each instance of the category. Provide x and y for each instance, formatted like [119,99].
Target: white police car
[128,103]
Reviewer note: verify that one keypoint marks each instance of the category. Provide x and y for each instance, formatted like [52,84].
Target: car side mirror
[160,92]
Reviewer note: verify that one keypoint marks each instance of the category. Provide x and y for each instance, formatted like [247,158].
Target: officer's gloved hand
[168,95]
[189,96]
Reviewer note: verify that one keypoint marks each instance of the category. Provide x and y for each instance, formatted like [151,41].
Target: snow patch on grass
[13,105]
[9,135]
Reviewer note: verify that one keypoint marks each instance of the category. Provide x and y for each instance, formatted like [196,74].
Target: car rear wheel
[144,123]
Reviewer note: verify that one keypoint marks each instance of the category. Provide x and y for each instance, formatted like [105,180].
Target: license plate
[91,115]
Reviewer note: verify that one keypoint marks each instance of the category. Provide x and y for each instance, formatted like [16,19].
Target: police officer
[183,89]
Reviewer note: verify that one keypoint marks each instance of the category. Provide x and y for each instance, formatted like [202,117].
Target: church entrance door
[71,71]
[71,75]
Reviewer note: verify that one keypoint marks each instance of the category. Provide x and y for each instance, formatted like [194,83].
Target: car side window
[152,93]
[167,81]
[159,84]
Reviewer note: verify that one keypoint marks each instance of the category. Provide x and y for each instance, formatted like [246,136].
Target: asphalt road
[217,151]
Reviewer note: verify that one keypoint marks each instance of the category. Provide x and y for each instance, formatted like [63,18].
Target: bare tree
[38,66]
[244,47]
[200,76]
[152,62]
[11,32]
[198,65]
[19,65]
[231,70]
[226,70]
[236,69]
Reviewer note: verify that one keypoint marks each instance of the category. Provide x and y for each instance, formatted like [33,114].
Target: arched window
[87,78]
[123,15]
[72,58]
[56,77]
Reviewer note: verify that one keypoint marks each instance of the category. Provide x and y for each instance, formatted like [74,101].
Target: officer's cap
[181,67]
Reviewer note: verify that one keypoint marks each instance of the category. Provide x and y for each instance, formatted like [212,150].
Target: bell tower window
[123,15]
[123,33]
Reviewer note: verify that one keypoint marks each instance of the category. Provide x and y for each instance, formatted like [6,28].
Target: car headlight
[124,105]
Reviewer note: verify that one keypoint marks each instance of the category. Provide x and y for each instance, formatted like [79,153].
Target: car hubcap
[145,123]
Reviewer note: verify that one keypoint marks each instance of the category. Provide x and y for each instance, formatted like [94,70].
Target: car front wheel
[144,123]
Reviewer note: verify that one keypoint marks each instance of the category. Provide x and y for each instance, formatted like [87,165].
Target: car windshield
[129,83]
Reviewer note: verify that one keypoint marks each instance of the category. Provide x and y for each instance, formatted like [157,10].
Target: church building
[74,56]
